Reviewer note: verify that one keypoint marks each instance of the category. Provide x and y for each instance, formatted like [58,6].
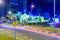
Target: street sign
[15,23]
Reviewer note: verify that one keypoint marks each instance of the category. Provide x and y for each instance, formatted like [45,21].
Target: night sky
[41,6]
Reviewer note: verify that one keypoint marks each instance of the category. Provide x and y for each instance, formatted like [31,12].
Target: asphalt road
[25,35]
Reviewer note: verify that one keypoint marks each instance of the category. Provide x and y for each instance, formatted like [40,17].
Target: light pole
[32,6]
[54,17]
[9,12]
[1,2]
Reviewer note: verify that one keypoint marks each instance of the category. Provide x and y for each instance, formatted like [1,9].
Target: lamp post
[54,17]
[1,2]
[9,12]
[32,6]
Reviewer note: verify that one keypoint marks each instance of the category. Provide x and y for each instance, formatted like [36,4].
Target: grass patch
[5,37]
[47,28]
[51,29]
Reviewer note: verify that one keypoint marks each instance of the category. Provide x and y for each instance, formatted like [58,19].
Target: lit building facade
[18,5]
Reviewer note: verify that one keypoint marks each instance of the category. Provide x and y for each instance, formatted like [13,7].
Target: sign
[15,23]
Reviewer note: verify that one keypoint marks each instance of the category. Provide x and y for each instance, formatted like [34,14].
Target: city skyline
[41,6]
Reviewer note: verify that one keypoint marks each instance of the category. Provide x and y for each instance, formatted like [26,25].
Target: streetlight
[9,12]
[1,2]
[32,6]
[54,17]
